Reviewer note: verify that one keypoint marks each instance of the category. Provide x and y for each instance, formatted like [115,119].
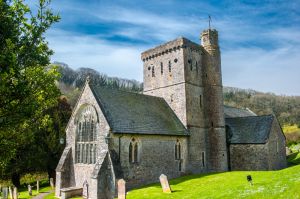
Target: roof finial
[209,21]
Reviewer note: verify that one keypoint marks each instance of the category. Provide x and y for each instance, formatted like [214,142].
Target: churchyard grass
[290,128]
[266,184]
[51,196]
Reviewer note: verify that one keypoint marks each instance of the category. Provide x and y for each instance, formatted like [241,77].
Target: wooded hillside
[286,108]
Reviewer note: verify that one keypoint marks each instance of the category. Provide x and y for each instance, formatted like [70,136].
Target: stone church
[176,127]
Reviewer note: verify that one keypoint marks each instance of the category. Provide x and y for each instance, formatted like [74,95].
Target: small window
[133,151]
[203,159]
[170,67]
[175,60]
[200,101]
[161,68]
[191,64]
[177,151]
[197,66]
[153,72]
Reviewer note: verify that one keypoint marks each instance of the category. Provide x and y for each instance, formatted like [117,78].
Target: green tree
[27,83]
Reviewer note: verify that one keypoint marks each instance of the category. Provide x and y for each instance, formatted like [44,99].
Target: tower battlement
[170,47]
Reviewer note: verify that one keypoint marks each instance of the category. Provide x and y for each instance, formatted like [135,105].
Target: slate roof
[230,112]
[249,130]
[128,112]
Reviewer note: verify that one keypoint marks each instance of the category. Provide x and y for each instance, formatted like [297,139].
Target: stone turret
[213,101]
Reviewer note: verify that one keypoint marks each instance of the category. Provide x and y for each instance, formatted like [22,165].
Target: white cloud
[87,51]
[263,70]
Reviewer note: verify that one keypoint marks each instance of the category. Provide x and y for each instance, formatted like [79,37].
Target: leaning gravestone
[10,192]
[4,192]
[165,183]
[30,190]
[121,189]
[15,193]
[51,183]
[38,186]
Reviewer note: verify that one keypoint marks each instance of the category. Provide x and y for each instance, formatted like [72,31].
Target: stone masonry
[176,127]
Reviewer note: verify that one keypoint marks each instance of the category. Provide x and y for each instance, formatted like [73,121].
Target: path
[42,195]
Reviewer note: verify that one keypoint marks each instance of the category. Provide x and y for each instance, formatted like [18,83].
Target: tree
[27,83]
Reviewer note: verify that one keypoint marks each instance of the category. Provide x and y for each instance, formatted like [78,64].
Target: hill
[286,108]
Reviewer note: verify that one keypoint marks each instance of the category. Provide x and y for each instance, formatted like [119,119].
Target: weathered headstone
[30,190]
[52,183]
[38,186]
[4,192]
[85,191]
[121,189]
[165,184]
[10,192]
[15,193]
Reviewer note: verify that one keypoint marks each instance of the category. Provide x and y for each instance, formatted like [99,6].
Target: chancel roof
[134,113]
[230,112]
[249,130]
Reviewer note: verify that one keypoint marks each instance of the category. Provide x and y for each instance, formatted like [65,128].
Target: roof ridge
[124,91]
[272,115]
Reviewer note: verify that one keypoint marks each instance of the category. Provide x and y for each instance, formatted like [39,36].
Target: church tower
[183,73]
[213,101]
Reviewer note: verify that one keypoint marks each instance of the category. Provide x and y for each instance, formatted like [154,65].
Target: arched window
[133,151]
[161,68]
[86,136]
[170,66]
[177,150]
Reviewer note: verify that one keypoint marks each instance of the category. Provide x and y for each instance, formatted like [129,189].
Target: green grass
[294,158]
[266,184]
[51,196]
[290,128]
[23,193]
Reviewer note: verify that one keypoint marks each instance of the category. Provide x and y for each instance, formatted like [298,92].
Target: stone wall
[156,155]
[247,157]
[213,101]
[79,172]
[268,156]
[276,147]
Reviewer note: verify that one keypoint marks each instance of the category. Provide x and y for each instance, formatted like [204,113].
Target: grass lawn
[290,128]
[51,196]
[266,184]
[23,193]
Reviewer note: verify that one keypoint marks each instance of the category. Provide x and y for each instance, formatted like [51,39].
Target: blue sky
[260,40]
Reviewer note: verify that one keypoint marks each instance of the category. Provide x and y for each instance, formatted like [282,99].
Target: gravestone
[165,184]
[30,190]
[85,191]
[121,189]
[4,192]
[10,192]
[38,186]
[15,193]
[52,183]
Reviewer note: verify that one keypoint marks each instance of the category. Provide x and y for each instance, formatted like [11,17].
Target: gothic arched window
[86,135]
[133,151]
[177,150]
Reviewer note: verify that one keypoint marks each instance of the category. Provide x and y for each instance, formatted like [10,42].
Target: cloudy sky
[260,40]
